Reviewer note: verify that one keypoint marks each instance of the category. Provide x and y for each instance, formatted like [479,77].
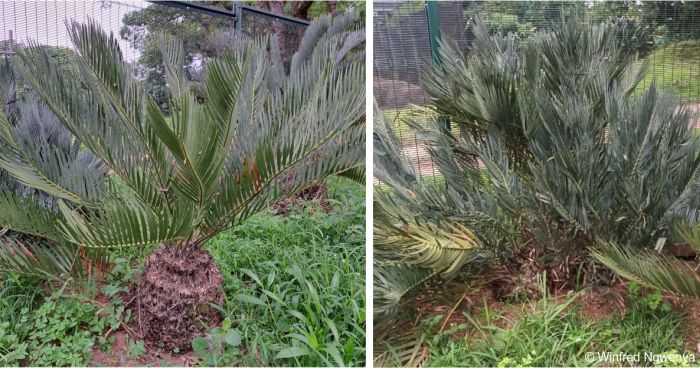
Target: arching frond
[691,234]
[25,215]
[392,283]
[409,350]
[404,237]
[357,174]
[107,116]
[38,258]
[38,164]
[126,224]
[650,269]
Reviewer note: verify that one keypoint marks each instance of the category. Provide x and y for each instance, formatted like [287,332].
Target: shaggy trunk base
[518,275]
[565,271]
[172,301]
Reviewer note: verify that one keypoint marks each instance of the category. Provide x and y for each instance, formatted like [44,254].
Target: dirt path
[695,106]
[417,154]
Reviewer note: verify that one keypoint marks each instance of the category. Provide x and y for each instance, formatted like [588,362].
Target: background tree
[672,20]
[141,28]
[193,28]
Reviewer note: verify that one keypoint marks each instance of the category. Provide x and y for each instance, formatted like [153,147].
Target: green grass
[401,129]
[295,286]
[677,67]
[17,294]
[557,334]
[295,292]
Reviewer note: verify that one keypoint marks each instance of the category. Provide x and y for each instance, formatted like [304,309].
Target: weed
[136,349]
[295,286]
[220,347]
[61,332]
[56,330]
[653,300]
[16,294]
[557,334]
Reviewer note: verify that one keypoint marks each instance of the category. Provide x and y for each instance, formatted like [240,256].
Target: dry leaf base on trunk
[173,300]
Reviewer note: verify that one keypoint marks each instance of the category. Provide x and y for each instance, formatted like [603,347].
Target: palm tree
[40,134]
[258,135]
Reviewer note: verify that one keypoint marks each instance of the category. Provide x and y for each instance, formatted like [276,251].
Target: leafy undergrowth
[295,286]
[53,330]
[566,331]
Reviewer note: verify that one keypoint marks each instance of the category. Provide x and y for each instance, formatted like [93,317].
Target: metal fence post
[433,13]
[238,16]
[434,28]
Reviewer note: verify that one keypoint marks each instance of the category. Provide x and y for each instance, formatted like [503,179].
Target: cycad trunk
[173,300]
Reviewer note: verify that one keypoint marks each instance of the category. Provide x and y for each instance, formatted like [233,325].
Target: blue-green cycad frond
[248,138]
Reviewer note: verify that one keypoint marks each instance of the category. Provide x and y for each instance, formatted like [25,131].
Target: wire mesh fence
[289,32]
[666,34]
[44,22]
[135,23]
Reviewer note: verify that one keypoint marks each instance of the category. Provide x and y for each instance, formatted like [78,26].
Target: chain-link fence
[665,33]
[135,23]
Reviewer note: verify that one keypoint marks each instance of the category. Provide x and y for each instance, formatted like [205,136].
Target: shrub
[256,136]
[570,155]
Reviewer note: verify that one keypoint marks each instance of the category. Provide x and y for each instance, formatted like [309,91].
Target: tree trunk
[172,301]
[277,29]
[301,9]
[331,4]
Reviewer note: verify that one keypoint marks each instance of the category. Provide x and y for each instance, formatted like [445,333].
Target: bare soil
[318,191]
[595,303]
[692,309]
[118,356]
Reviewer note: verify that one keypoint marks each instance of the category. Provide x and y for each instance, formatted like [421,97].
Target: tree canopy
[194,28]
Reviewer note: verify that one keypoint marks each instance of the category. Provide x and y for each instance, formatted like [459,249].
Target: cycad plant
[26,218]
[659,271]
[252,135]
[546,144]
